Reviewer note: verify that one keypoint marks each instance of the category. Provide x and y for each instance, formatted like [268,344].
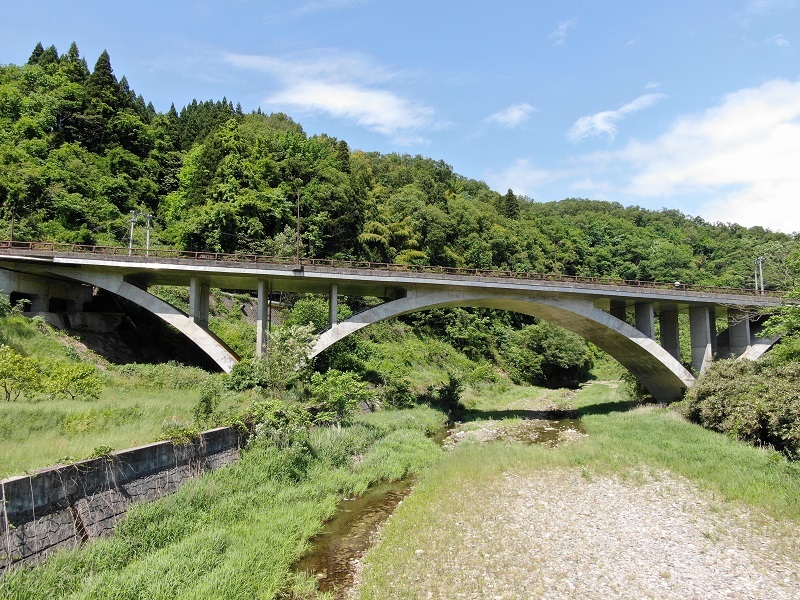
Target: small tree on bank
[18,374]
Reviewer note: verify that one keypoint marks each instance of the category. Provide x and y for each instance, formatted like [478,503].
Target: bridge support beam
[263,318]
[333,306]
[670,339]
[645,318]
[199,293]
[738,332]
[700,333]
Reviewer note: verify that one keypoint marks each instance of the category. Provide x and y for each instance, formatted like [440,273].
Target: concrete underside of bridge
[663,376]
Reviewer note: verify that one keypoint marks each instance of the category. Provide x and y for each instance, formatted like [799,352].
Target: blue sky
[677,104]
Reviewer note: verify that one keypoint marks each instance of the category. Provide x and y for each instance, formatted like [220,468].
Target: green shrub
[758,402]
[336,394]
[71,381]
[545,354]
[207,404]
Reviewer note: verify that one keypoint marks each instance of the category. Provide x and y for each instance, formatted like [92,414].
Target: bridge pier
[739,336]
[670,338]
[333,306]
[263,318]
[619,309]
[645,318]
[199,293]
[700,333]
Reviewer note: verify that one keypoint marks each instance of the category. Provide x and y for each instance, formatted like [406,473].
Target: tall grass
[236,533]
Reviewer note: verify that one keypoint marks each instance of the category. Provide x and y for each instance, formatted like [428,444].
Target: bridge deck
[386,280]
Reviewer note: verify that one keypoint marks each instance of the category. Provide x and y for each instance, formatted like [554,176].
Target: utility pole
[148,218]
[134,217]
[298,227]
[759,273]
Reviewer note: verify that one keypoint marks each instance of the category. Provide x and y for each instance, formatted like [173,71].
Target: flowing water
[336,551]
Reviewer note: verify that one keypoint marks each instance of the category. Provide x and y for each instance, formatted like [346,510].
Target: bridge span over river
[618,316]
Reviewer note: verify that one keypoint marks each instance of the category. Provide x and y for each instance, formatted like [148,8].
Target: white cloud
[741,155]
[514,115]
[604,123]
[377,110]
[559,36]
[736,162]
[521,176]
[778,40]
[347,86]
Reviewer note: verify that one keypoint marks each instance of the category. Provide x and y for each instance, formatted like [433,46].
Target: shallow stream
[337,550]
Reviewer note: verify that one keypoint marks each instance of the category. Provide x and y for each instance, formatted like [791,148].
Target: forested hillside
[80,150]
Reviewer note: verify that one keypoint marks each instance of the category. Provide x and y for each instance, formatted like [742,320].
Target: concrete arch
[205,339]
[663,376]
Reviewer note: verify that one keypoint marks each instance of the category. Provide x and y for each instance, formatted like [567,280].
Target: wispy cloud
[760,7]
[778,40]
[559,36]
[604,123]
[343,85]
[514,115]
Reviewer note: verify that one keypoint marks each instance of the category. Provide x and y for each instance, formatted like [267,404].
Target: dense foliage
[758,402]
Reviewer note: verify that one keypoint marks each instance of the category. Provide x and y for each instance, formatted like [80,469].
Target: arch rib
[664,377]
[219,352]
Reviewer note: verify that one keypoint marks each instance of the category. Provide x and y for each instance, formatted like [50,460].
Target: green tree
[336,394]
[66,380]
[508,205]
[18,374]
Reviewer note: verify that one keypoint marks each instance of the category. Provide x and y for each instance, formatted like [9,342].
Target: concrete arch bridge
[617,316]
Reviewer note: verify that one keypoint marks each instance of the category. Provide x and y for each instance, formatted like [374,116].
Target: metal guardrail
[139,253]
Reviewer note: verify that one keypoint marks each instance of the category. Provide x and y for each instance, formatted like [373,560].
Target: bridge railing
[54,248]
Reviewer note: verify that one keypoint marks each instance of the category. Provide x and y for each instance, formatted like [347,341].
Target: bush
[71,381]
[210,397]
[336,394]
[758,402]
[18,374]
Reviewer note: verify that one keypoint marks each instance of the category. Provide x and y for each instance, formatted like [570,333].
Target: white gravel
[564,534]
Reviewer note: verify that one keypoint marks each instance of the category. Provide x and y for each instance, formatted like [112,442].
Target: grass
[624,440]
[135,404]
[39,434]
[236,533]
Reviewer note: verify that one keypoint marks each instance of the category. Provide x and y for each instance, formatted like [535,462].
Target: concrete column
[645,318]
[670,340]
[712,322]
[700,332]
[618,309]
[334,306]
[262,319]
[738,332]
[198,301]
[40,303]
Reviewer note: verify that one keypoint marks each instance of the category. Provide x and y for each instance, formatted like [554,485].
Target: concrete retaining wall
[65,506]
